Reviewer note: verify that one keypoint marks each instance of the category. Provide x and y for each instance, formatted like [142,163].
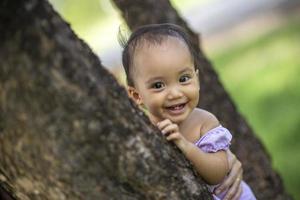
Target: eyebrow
[153,79]
[185,70]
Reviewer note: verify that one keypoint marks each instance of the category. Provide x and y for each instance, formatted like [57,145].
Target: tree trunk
[67,129]
[258,172]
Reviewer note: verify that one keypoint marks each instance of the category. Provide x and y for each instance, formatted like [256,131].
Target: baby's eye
[184,78]
[157,85]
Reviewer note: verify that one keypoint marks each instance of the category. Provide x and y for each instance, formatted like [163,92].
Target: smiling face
[165,80]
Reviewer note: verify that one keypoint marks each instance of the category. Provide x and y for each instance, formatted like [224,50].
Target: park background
[254,47]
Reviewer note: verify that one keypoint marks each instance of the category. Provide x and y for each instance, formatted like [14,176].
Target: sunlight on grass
[97,26]
[262,76]
[103,34]
[187,4]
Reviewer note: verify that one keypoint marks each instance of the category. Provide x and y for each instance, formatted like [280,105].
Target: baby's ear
[134,94]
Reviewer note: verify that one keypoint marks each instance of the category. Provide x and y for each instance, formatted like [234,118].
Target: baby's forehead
[147,48]
[157,41]
[166,51]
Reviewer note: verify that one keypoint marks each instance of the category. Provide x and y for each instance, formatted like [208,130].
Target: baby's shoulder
[206,120]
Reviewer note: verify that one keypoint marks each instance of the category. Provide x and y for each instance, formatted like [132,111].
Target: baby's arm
[212,167]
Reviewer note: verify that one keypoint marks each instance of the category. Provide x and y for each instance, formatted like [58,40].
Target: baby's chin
[177,120]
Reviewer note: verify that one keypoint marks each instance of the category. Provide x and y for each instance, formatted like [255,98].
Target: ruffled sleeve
[215,140]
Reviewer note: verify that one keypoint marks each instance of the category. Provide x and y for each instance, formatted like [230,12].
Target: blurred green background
[262,76]
[256,57]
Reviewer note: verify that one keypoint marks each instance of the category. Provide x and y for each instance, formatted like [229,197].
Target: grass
[262,76]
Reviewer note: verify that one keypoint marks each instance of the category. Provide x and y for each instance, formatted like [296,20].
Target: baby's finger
[170,129]
[233,190]
[173,136]
[235,172]
[238,194]
[224,185]
[162,124]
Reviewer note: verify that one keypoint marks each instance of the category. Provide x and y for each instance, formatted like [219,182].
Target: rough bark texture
[67,129]
[258,171]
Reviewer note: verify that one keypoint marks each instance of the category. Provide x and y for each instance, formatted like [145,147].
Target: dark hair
[152,34]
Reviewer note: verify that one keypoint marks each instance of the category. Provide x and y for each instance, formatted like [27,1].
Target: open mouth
[176,109]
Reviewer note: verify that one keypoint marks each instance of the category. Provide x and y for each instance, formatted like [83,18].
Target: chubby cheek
[155,105]
[193,94]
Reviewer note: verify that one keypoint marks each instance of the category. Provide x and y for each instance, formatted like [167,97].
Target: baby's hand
[171,131]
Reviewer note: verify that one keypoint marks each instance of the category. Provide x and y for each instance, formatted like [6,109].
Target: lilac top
[215,140]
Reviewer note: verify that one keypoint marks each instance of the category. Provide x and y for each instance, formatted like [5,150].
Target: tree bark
[67,129]
[258,172]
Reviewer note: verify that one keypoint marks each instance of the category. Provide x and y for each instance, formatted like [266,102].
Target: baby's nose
[174,93]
